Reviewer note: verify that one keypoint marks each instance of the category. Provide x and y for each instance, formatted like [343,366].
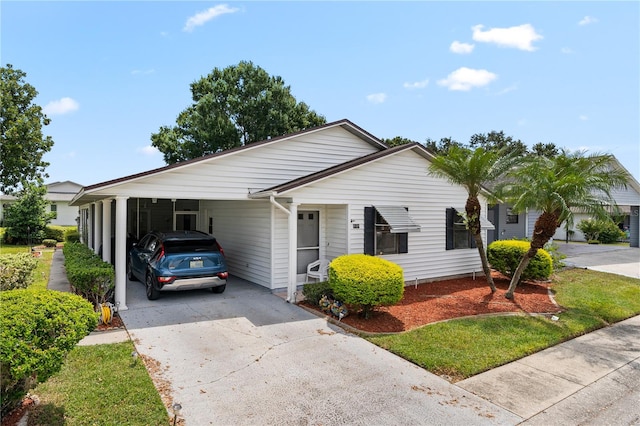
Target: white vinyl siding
[233,176]
[280,238]
[337,229]
[243,228]
[626,197]
[401,180]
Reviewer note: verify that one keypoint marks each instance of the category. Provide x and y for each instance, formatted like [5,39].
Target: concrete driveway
[248,357]
[615,259]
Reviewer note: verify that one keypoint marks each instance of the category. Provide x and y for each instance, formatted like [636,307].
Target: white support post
[293,253]
[121,253]
[99,227]
[106,230]
[92,226]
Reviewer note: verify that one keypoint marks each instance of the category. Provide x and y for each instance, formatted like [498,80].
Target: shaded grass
[99,385]
[462,348]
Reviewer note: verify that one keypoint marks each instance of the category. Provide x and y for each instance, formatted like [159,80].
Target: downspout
[291,285]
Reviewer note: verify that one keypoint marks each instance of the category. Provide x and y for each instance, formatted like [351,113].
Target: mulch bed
[443,300]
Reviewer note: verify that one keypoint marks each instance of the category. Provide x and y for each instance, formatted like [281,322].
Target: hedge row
[37,329]
[16,270]
[89,275]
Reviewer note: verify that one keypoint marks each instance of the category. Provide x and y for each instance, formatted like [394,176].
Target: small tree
[27,218]
[22,142]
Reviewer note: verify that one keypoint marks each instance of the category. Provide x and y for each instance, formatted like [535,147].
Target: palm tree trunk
[485,262]
[543,230]
[524,262]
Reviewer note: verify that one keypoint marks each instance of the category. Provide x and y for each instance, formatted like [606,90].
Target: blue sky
[109,74]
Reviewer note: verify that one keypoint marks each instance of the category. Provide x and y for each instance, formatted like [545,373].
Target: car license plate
[196,264]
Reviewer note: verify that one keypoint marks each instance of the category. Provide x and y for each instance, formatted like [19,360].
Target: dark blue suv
[178,260]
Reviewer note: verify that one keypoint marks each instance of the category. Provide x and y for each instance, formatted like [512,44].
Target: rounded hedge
[365,281]
[505,256]
[37,329]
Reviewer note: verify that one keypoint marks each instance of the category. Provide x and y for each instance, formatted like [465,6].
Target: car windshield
[182,246]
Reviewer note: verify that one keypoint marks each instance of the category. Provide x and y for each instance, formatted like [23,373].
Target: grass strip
[99,385]
[462,348]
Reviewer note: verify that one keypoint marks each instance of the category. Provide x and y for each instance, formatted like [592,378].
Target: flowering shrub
[16,270]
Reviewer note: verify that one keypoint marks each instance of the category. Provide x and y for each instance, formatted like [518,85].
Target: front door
[308,238]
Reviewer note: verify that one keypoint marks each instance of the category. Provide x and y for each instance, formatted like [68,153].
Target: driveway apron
[248,357]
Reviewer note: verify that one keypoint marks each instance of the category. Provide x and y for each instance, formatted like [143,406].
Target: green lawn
[99,385]
[462,348]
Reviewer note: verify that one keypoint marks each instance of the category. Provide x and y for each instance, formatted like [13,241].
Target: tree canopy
[232,107]
[27,218]
[23,144]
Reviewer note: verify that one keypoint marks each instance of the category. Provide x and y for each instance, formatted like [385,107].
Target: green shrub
[72,236]
[52,232]
[313,292]
[16,270]
[49,243]
[37,329]
[89,275]
[603,231]
[505,256]
[366,281]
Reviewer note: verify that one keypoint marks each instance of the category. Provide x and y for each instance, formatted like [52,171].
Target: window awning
[398,219]
[484,222]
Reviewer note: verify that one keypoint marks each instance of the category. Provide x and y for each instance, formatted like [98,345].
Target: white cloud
[466,78]
[520,37]
[149,150]
[417,84]
[583,117]
[588,20]
[61,106]
[377,98]
[462,48]
[205,16]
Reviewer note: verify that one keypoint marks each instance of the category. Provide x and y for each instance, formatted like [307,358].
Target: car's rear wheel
[152,293]
[219,289]
[130,273]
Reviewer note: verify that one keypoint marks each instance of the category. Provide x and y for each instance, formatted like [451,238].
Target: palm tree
[559,187]
[473,169]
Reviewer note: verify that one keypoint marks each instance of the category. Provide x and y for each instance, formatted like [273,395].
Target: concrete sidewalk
[592,379]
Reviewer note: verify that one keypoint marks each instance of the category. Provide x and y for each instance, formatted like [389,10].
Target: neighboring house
[59,194]
[509,225]
[280,204]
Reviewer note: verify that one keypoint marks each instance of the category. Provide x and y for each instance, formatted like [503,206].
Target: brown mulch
[443,300]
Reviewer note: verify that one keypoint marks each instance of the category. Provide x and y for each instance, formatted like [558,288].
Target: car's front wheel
[152,292]
[219,289]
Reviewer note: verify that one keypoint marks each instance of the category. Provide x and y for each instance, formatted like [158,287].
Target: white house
[59,194]
[509,225]
[277,205]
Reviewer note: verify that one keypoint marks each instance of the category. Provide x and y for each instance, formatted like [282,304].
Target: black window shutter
[369,230]
[403,243]
[451,215]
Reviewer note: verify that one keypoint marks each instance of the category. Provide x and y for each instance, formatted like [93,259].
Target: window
[511,216]
[386,230]
[458,236]
[54,210]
